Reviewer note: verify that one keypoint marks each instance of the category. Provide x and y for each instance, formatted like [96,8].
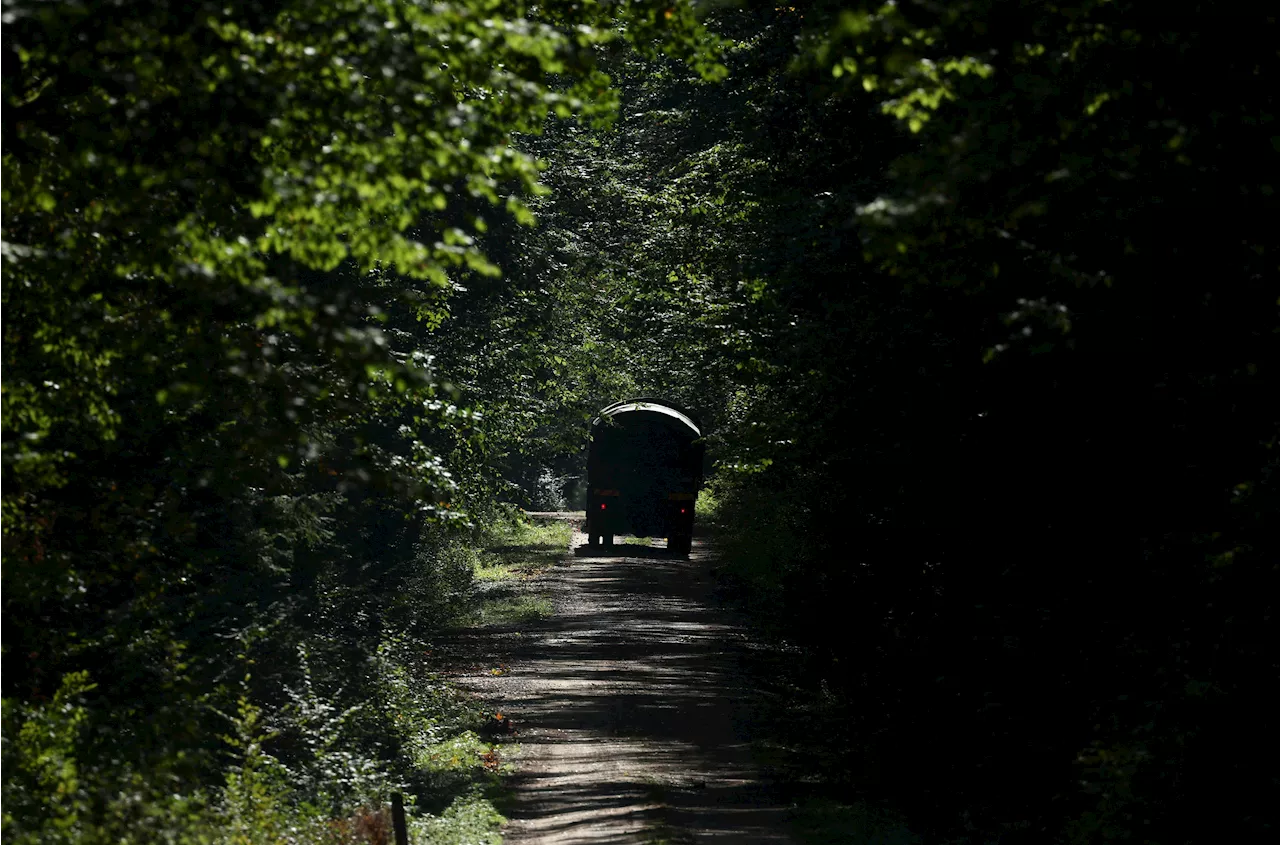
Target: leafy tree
[988,371]
[1008,390]
[230,231]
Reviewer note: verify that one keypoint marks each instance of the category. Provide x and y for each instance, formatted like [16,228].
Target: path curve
[632,709]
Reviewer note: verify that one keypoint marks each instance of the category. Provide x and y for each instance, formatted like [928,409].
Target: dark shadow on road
[633,709]
[626,550]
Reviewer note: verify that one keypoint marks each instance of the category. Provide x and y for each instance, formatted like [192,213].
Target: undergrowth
[304,745]
[515,554]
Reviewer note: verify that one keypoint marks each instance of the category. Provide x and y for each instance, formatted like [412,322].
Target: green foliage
[987,304]
[977,303]
[255,785]
[547,538]
[466,821]
[709,505]
[236,416]
[40,749]
[516,552]
[509,609]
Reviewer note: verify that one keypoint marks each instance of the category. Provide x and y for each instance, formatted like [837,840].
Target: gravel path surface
[631,708]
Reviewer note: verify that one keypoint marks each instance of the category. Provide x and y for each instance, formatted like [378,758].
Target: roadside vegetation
[507,573]
[320,764]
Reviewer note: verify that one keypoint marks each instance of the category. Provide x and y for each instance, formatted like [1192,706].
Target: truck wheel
[593,539]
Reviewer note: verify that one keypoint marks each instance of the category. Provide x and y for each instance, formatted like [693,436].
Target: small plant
[42,777]
[256,790]
[331,773]
[508,609]
[470,820]
[548,494]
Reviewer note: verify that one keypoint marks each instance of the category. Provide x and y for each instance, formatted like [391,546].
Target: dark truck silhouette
[644,469]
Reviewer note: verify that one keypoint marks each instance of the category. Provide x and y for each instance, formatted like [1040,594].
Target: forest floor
[633,702]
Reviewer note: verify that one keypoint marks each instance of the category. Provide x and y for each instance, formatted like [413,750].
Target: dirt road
[632,710]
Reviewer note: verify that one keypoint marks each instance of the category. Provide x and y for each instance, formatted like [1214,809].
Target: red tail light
[682,510]
[602,506]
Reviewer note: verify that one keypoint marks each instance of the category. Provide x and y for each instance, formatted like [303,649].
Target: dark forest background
[978,300]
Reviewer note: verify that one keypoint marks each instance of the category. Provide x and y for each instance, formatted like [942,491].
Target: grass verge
[452,758]
[507,570]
